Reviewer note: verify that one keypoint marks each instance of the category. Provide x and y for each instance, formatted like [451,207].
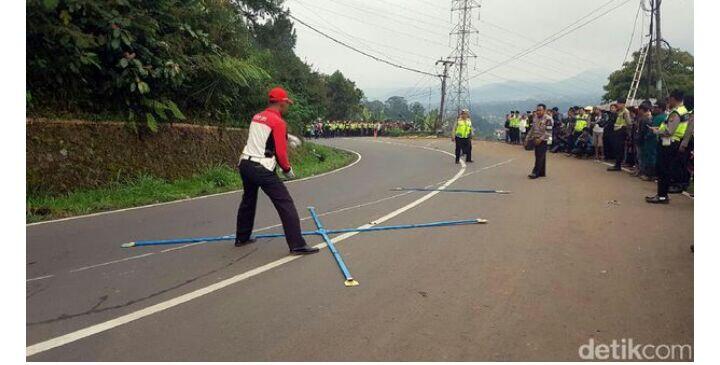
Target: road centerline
[159,307]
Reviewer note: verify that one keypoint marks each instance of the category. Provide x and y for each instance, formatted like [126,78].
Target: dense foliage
[677,73]
[147,62]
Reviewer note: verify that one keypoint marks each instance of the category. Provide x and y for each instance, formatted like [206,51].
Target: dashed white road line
[112,262]
[39,278]
[110,324]
[84,268]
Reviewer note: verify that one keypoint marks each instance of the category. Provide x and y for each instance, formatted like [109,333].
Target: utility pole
[440,121]
[654,73]
[658,45]
[460,90]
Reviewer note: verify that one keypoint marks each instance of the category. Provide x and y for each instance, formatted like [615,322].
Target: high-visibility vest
[620,121]
[514,122]
[581,122]
[682,112]
[464,128]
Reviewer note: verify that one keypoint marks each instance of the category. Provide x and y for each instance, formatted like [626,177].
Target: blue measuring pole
[455,190]
[206,239]
[407,226]
[349,280]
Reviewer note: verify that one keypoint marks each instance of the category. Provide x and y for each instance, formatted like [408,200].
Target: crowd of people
[330,129]
[654,140]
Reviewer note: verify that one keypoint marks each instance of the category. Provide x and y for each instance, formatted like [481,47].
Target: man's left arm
[279,131]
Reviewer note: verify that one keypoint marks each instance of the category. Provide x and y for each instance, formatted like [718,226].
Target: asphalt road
[574,256]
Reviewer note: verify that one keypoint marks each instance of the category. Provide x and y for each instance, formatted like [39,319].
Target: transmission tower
[459,93]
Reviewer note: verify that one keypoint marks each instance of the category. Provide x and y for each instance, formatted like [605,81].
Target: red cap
[278,94]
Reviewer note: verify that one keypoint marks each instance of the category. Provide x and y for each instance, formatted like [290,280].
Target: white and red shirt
[267,137]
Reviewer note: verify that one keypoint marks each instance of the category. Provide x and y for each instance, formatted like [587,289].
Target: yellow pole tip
[128,245]
[481,221]
[351,282]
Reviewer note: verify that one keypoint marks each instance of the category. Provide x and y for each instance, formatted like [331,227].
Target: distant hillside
[584,88]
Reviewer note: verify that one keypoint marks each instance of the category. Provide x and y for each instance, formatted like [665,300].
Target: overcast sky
[415,33]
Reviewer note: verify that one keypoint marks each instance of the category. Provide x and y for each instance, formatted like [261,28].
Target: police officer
[266,148]
[671,134]
[540,130]
[620,131]
[463,132]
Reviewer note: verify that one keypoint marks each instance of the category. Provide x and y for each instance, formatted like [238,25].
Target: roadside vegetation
[308,159]
[151,62]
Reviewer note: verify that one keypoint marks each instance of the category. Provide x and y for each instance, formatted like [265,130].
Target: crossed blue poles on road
[320,231]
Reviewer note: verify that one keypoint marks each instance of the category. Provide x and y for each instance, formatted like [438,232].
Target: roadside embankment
[78,167]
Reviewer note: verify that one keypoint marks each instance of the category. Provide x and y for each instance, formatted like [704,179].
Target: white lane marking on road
[359,157]
[112,262]
[39,278]
[107,325]
[257,230]
[183,246]
[307,217]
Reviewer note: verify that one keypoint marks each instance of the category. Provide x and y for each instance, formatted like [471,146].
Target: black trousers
[515,134]
[540,158]
[463,146]
[681,175]
[608,150]
[255,176]
[619,136]
[666,160]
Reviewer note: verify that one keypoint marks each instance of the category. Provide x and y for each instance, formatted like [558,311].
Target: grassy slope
[148,190]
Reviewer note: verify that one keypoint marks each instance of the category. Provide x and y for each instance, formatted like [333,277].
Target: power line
[364,41]
[632,35]
[555,36]
[442,23]
[532,62]
[395,17]
[364,22]
[523,36]
[376,58]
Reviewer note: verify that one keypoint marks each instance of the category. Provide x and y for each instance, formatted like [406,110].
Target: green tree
[376,108]
[153,61]
[396,108]
[417,111]
[343,97]
[677,73]
[428,123]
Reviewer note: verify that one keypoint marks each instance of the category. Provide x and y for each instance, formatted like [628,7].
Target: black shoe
[614,168]
[533,176]
[470,161]
[304,250]
[657,199]
[675,189]
[457,162]
[243,243]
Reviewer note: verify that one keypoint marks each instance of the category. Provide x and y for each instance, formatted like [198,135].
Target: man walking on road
[267,147]
[619,135]
[540,129]
[463,132]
